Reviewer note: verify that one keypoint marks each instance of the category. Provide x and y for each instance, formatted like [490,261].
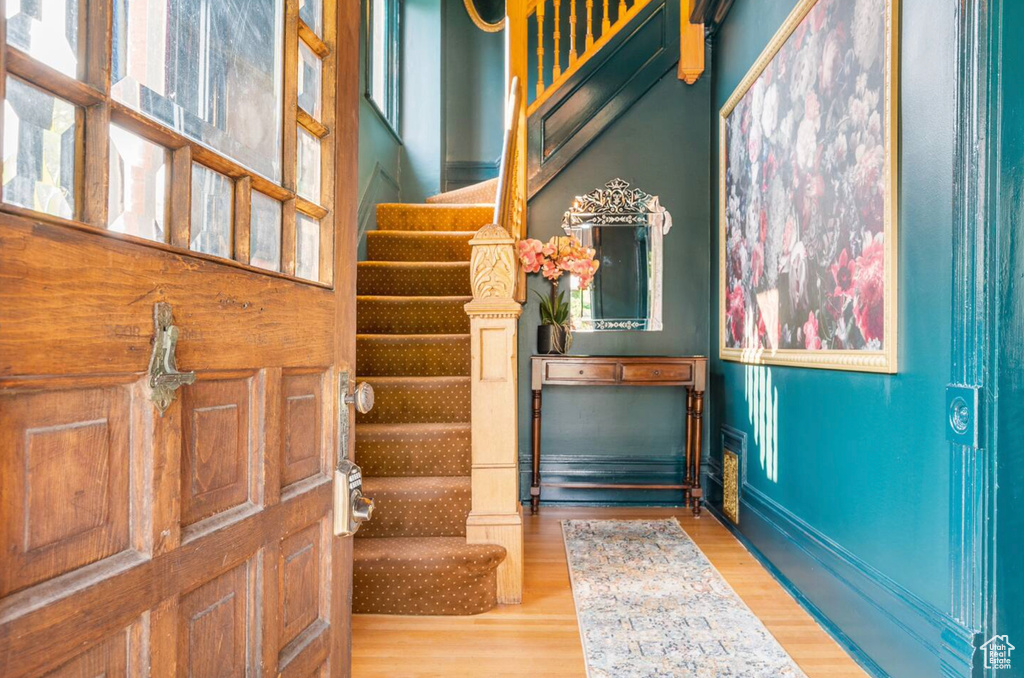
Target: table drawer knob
[657,373]
[581,371]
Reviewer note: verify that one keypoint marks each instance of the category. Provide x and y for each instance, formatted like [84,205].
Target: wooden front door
[197,542]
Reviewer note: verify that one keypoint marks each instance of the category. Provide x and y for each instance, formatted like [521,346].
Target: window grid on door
[91,192]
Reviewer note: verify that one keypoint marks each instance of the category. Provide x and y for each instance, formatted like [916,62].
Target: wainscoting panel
[461,173]
[605,469]
[907,636]
[382,187]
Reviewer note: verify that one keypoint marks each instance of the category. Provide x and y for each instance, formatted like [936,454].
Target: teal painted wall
[379,154]
[407,164]
[857,517]
[423,88]
[474,96]
[661,145]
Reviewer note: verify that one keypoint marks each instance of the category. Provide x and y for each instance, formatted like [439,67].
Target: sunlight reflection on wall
[762,411]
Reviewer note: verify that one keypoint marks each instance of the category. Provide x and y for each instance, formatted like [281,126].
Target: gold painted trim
[478,20]
[884,361]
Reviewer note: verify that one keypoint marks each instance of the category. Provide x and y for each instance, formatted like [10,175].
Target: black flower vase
[552,339]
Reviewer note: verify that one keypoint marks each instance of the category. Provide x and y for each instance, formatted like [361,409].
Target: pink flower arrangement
[558,255]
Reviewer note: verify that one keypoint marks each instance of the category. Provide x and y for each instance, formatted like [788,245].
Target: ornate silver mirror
[625,226]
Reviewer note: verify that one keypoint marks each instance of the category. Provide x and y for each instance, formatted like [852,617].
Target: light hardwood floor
[540,637]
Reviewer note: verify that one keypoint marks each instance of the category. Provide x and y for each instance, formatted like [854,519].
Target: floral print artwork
[805,189]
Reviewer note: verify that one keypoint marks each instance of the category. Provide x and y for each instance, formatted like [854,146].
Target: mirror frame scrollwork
[617,204]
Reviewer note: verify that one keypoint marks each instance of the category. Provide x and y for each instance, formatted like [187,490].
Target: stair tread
[386,314]
[417,484]
[441,550]
[418,245]
[412,265]
[412,298]
[373,430]
[440,337]
[414,380]
[456,217]
[412,233]
[418,506]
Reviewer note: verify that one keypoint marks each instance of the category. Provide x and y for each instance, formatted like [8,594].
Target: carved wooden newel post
[496,516]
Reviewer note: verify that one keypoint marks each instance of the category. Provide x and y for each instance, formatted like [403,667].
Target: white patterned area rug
[651,605]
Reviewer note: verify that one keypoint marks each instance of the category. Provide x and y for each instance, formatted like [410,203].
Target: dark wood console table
[579,370]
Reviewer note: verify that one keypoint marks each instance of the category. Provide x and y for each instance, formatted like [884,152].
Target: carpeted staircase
[414,445]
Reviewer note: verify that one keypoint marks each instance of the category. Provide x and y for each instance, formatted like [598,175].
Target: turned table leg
[535,478]
[696,493]
[688,447]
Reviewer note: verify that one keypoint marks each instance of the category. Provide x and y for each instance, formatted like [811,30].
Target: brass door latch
[164,377]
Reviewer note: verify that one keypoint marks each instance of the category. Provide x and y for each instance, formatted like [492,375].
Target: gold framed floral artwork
[808,193]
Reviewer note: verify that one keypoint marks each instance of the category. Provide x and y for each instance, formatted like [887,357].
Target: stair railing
[565,58]
[510,203]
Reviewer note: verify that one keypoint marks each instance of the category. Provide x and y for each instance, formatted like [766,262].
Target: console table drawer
[581,371]
[653,372]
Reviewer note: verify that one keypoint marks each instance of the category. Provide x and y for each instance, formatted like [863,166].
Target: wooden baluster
[590,24]
[606,23]
[556,69]
[572,33]
[540,47]
[622,11]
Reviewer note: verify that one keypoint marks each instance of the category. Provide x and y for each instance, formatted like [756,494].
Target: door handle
[362,397]
[164,377]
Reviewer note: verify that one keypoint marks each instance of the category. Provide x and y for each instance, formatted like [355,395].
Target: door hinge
[963,414]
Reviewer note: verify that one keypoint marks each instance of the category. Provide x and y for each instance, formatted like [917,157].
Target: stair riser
[408,217]
[427,357]
[447,401]
[418,593]
[393,279]
[430,512]
[409,246]
[443,454]
[406,315]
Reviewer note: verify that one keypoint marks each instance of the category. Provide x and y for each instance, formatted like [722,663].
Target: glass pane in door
[307,247]
[212,195]
[209,69]
[265,232]
[40,143]
[309,81]
[139,176]
[46,30]
[308,167]
[312,12]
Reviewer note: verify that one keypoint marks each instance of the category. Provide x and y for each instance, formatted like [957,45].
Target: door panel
[197,542]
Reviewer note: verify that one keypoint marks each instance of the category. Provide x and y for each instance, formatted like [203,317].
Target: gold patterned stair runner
[414,446]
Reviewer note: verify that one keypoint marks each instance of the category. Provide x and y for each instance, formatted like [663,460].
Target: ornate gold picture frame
[808,194]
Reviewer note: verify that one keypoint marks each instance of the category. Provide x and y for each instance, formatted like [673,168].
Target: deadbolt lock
[351,508]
